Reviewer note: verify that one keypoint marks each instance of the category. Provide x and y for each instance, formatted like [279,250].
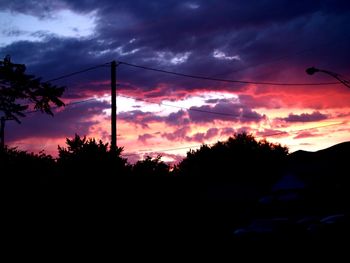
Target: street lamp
[340,78]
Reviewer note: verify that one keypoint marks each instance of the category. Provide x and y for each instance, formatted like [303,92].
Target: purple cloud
[305,117]
[72,119]
[151,32]
[177,118]
[227,131]
[144,137]
[272,133]
[225,111]
[178,134]
[200,137]
[306,134]
[140,117]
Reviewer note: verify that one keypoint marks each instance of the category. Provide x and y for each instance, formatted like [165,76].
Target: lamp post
[340,78]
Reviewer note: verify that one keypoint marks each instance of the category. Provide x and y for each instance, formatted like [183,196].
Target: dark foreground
[137,216]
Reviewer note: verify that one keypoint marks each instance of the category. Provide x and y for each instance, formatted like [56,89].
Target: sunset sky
[158,113]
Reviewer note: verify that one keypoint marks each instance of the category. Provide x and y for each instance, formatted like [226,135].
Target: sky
[158,113]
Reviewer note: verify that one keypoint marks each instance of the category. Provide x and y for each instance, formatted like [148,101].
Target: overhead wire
[77,72]
[67,76]
[226,80]
[190,109]
[278,59]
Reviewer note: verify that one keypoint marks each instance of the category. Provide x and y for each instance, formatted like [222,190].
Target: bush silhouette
[25,168]
[88,158]
[239,159]
[150,167]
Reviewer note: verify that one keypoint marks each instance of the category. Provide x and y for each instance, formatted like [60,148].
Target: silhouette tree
[86,157]
[150,167]
[25,168]
[18,91]
[241,159]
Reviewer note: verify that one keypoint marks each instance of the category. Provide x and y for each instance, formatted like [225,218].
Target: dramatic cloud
[227,131]
[177,118]
[144,137]
[65,123]
[256,41]
[140,117]
[200,137]
[305,117]
[225,111]
[271,133]
[178,134]
[306,134]
[151,33]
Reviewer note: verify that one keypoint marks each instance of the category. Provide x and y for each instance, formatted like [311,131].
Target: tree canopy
[19,90]
[240,158]
[85,156]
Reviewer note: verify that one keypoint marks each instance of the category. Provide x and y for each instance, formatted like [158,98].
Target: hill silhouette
[325,173]
[337,151]
[327,164]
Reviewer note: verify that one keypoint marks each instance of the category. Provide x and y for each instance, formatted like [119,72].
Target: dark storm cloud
[144,118]
[225,111]
[58,56]
[183,35]
[73,119]
[305,117]
[181,134]
[39,8]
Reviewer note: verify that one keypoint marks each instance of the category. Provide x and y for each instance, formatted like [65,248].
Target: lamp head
[312,70]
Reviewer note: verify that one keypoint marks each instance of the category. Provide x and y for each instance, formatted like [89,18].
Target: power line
[226,80]
[77,72]
[280,58]
[67,76]
[306,129]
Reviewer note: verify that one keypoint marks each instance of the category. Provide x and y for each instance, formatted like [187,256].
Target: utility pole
[114,107]
[2,133]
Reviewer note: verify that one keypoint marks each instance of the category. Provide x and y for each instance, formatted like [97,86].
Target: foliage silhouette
[18,90]
[25,168]
[150,167]
[239,159]
[86,157]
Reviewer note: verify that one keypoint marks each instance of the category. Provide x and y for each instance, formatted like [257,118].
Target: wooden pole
[114,107]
